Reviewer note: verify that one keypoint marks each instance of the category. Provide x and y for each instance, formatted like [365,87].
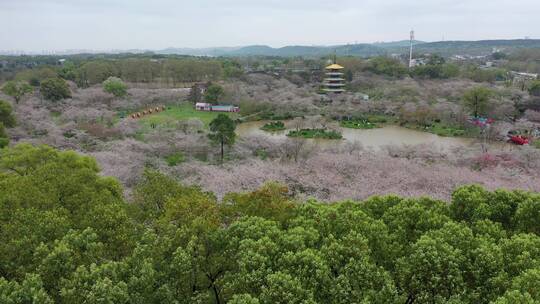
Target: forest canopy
[69,236]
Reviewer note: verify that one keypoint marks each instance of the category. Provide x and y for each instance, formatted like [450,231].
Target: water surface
[373,138]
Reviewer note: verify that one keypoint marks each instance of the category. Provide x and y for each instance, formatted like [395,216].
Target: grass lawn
[182,112]
[445,130]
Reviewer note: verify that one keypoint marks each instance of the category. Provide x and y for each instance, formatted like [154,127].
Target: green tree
[7,119]
[349,75]
[477,100]
[432,272]
[499,56]
[94,72]
[232,69]
[55,89]
[428,71]
[96,284]
[6,114]
[214,93]
[222,128]
[470,203]
[525,288]
[520,252]
[243,299]
[29,291]
[271,201]
[4,140]
[436,59]
[527,215]
[410,219]
[35,76]
[195,94]
[57,262]
[283,288]
[534,88]
[151,194]
[387,66]
[45,194]
[115,86]
[69,237]
[477,74]
[16,89]
[68,71]
[450,70]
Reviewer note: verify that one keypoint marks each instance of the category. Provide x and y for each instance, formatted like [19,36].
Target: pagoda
[334,81]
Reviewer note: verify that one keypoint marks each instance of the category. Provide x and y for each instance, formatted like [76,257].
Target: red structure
[519,140]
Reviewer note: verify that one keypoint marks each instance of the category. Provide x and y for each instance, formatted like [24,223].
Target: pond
[373,138]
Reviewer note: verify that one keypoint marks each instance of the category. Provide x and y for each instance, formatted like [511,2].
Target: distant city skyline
[37,26]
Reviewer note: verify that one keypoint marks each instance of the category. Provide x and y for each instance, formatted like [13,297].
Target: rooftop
[334,67]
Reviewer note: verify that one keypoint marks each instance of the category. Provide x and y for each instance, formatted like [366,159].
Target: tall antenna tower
[410,54]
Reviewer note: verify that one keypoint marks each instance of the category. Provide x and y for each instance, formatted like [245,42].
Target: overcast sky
[36,25]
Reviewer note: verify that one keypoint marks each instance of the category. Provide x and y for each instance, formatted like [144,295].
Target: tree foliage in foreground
[68,236]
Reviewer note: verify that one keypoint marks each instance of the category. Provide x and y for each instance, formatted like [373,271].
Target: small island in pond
[273,126]
[358,124]
[315,133]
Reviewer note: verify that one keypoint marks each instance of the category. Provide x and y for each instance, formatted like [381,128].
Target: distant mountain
[482,47]
[393,44]
[447,48]
[252,50]
[364,50]
[217,51]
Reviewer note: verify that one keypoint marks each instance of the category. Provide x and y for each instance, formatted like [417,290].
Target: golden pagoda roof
[334,67]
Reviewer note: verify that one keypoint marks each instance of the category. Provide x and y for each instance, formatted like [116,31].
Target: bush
[55,89]
[174,159]
[444,130]
[115,86]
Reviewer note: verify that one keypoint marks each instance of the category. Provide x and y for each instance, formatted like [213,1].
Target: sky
[48,25]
